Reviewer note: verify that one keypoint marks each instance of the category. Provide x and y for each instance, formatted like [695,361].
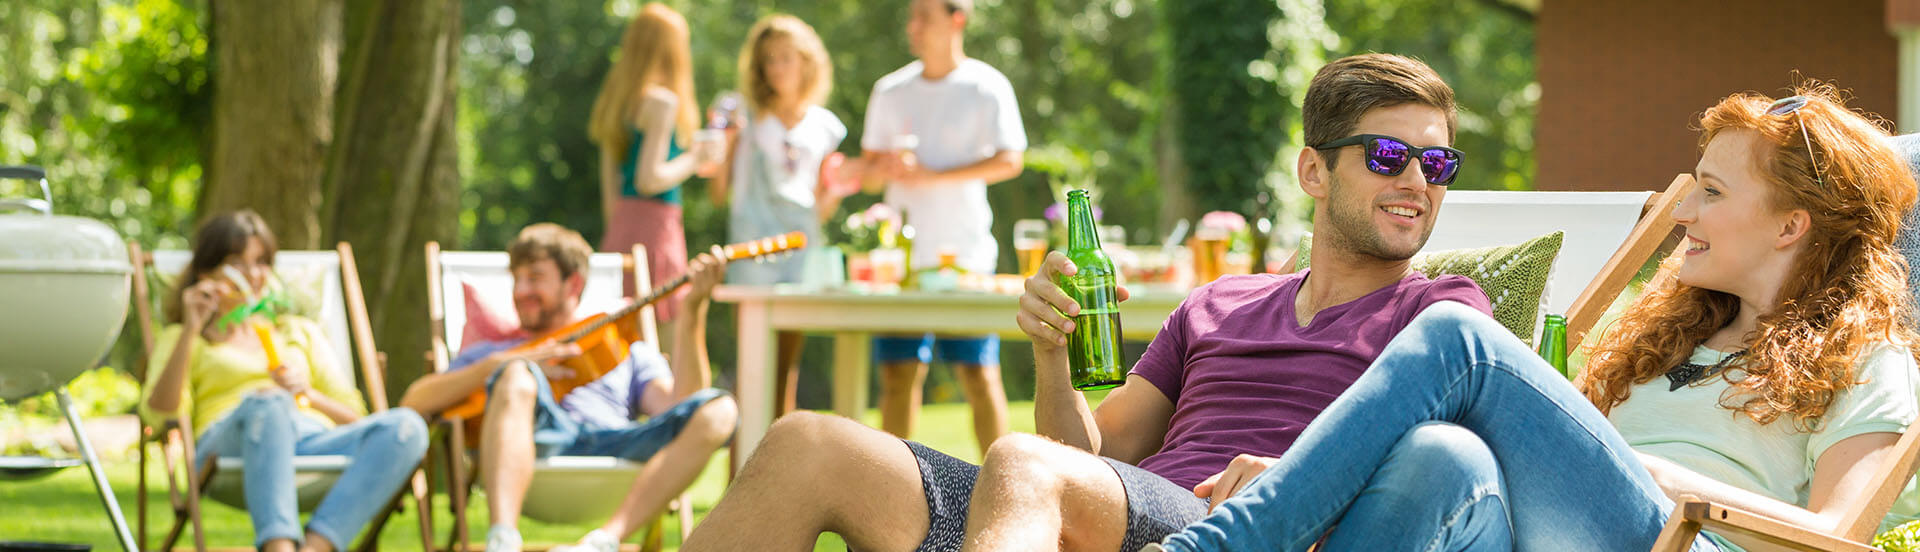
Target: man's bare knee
[714,421]
[515,383]
[800,436]
[1029,459]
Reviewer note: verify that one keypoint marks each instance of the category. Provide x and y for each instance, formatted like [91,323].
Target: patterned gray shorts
[1156,507]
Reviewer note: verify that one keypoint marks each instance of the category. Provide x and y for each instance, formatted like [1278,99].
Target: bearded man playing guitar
[686,421]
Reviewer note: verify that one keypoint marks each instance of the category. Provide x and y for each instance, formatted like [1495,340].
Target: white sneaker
[1152,547]
[596,541]
[501,538]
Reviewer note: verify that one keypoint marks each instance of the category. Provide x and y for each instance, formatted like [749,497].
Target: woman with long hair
[644,122]
[216,358]
[781,171]
[1769,369]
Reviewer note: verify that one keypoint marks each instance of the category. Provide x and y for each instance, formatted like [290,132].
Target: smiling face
[543,298]
[1737,242]
[1386,218]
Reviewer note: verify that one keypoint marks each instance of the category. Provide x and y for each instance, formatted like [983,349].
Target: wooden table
[854,317]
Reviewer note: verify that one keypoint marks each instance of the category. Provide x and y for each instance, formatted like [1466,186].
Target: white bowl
[63,297]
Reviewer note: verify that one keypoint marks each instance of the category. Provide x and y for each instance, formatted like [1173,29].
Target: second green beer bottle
[1553,343]
[1093,349]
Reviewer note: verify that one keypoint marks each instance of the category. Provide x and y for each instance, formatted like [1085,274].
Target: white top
[775,173]
[962,119]
[1690,428]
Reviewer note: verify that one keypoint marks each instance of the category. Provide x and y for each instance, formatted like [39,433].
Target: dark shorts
[556,433]
[1156,507]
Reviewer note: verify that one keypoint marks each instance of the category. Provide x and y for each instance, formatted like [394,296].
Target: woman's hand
[294,381]
[198,302]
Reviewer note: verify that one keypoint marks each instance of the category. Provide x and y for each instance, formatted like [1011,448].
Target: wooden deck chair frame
[172,437]
[449,433]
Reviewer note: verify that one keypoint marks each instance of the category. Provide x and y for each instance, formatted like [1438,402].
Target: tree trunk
[392,180]
[274,66]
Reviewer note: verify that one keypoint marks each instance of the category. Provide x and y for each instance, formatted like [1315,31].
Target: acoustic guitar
[602,345]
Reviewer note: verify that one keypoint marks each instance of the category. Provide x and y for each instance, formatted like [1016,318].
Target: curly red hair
[1847,292]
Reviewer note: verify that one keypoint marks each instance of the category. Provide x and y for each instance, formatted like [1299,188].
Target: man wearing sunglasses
[1237,372]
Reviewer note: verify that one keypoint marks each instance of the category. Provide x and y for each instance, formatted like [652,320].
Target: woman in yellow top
[218,374]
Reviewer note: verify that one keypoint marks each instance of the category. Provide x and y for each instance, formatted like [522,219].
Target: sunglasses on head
[1791,106]
[1388,156]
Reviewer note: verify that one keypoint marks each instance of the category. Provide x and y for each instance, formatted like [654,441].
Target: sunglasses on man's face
[1389,156]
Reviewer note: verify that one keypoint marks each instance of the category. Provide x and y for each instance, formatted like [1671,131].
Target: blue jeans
[1570,481]
[267,432]
[556,433]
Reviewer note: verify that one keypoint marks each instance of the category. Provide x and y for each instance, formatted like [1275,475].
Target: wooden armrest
[1729,520]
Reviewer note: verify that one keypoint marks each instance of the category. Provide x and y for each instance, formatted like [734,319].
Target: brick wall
[1623,82]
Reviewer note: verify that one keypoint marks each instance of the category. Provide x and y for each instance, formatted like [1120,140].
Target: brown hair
[221,236]
[1349,87]
[653,52]
[1847,292]
[547,240]
[816,78]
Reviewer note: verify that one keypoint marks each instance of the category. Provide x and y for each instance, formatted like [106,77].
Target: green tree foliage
[111,98]
[1129,97]
[1229,121]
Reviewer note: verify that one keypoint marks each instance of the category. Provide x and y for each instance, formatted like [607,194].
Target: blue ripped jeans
[267,431]
[1517,459]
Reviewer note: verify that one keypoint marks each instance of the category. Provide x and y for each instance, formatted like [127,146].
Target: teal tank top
[627,188]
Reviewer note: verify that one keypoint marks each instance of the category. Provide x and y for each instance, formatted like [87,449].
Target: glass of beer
[1030,244]
[1209,254]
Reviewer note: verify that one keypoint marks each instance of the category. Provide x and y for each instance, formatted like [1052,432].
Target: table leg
[752,387]
[852,361]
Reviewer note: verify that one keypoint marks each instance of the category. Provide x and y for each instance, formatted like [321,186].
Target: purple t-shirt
[1246,378]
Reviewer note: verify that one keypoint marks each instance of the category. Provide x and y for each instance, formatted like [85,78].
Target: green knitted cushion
[1514,277]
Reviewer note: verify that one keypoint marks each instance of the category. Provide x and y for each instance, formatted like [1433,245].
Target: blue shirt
[609,402]
[627,186]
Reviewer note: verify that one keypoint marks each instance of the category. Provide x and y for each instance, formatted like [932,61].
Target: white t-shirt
[775,171]
[1689,427]
[962,119]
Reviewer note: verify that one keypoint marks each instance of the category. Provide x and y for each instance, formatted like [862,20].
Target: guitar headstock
[765,246]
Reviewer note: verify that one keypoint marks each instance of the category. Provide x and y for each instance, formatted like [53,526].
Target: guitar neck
[729,253]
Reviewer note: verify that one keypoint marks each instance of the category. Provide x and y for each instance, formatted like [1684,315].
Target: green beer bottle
[1093,349]
[1553,343]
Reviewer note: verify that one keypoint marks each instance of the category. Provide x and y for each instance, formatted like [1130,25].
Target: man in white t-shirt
[938,131]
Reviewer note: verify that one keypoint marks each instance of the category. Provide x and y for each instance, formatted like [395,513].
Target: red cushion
[488,320]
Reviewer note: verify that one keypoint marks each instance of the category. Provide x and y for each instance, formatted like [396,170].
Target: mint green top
[1690,428]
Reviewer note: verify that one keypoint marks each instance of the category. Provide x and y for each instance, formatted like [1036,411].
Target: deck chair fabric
[323,286]
[1893,480]
[564,489]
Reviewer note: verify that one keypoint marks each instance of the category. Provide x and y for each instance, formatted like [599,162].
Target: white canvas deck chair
[342,313]
[565,489]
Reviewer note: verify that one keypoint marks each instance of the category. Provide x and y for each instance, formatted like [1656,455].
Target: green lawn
[63,508]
